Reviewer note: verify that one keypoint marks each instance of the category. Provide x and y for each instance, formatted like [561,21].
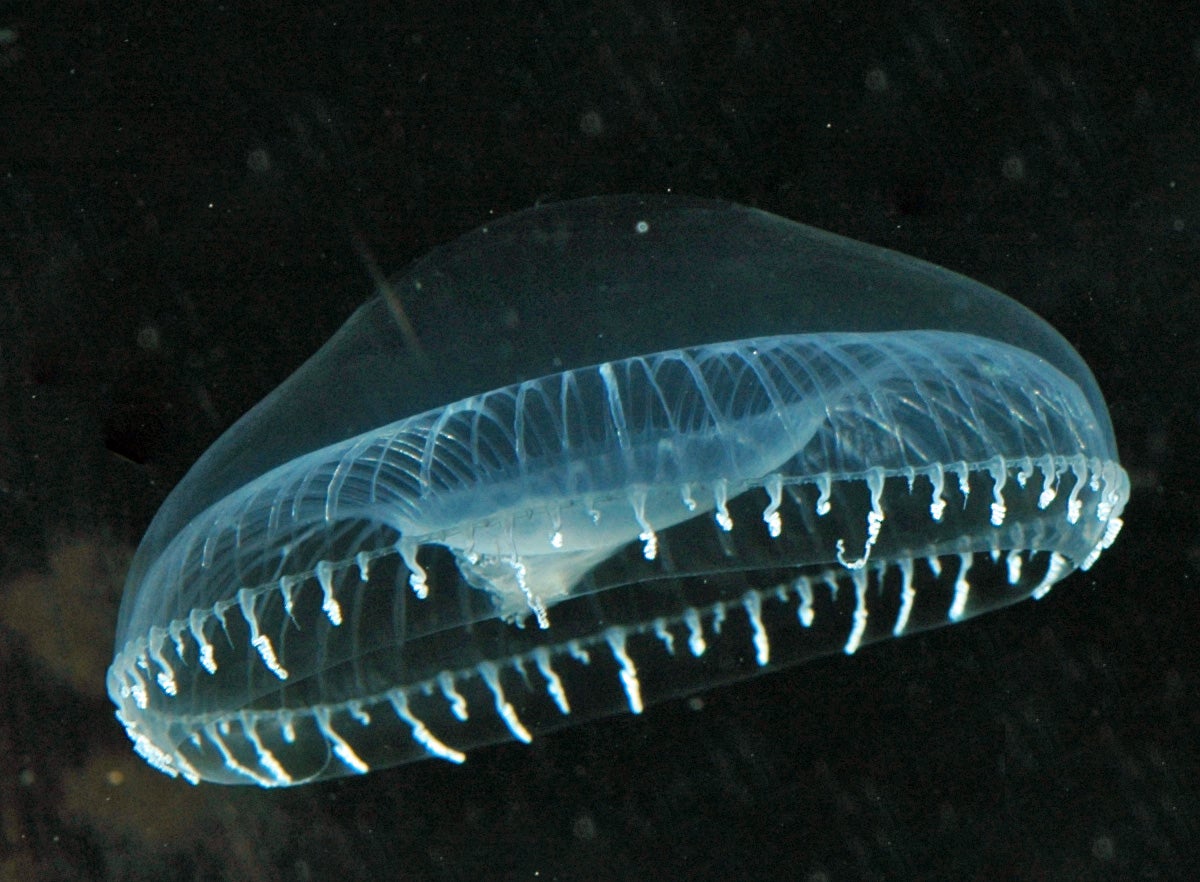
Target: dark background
[185,191]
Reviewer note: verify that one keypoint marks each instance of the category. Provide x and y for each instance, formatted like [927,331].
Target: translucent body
[881,446]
